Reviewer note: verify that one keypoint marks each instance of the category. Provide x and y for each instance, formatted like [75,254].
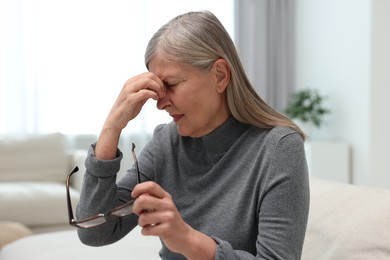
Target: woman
[228,177]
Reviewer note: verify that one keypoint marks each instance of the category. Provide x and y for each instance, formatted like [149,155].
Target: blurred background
[63,63]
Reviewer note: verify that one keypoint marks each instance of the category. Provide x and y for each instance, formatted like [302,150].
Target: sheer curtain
[63,63]
[265,40]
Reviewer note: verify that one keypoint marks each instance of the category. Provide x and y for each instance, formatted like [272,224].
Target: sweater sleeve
[283,205]
[99,195]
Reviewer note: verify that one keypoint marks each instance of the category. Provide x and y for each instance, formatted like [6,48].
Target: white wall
[339,50]
[380,93]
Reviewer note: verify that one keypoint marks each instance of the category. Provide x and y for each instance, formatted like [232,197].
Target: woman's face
[194,98]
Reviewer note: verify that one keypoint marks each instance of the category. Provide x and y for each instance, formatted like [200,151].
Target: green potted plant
[306,108]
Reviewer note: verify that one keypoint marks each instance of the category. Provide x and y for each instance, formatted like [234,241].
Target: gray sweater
[245,187]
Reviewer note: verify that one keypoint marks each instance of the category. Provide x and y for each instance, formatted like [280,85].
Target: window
[66,61]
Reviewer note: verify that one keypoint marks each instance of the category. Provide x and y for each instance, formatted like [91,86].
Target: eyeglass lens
[123,210]
[92,222]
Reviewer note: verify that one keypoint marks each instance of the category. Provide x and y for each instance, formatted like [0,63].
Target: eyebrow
[173,78]
[167,78]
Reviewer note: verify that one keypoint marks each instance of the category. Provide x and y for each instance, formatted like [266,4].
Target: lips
[176,117]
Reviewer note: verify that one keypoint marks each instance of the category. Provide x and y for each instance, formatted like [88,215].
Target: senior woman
[226,179]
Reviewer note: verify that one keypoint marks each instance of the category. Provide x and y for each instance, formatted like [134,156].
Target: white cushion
[347,222]
[34,203]
[66,245]
[35,158]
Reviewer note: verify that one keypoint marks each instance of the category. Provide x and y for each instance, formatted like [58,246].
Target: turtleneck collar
[219,140]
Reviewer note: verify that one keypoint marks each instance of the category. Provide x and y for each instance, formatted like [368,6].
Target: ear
[222,74]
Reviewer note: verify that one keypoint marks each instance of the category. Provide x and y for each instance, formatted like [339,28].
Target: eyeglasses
[120,211]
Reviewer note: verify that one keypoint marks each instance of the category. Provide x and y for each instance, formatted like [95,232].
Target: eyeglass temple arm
[136,163]
[68,200]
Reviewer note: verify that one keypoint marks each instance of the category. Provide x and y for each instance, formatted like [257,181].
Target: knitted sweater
[244,186]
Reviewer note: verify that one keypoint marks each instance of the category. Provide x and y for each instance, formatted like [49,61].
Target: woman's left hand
[158,216]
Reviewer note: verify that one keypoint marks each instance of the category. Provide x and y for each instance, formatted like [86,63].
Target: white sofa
[345,222]
[33,170]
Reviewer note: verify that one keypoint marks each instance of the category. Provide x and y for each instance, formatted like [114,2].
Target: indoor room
[320,64]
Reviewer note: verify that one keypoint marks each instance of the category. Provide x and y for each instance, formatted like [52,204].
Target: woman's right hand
[134,94]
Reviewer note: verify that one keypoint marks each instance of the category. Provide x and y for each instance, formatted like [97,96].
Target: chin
[183,131]
[189,132]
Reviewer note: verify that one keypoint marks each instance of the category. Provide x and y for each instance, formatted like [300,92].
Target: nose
[164,102]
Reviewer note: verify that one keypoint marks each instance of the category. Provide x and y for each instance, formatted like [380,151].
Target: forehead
[165,68]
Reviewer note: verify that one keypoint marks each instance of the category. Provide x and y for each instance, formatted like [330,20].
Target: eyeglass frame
[104,217]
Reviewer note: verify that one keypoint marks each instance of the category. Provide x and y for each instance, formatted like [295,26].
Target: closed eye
[167,85]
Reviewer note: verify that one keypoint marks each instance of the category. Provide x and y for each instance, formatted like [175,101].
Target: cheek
[187,100]
[203,108]
[197,98]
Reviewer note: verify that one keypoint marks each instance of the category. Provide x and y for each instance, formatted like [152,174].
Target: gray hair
[199,39]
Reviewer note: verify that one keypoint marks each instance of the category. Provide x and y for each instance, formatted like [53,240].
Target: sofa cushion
[33,158]
[65,245]
[35,203]
[11,231]
[347,222]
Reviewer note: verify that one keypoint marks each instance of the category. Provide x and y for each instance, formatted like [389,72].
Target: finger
[156,229]
[159,88]
[148,81]
[150,218]
[150,188]
[154,222]
[144,94]
[144,203]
